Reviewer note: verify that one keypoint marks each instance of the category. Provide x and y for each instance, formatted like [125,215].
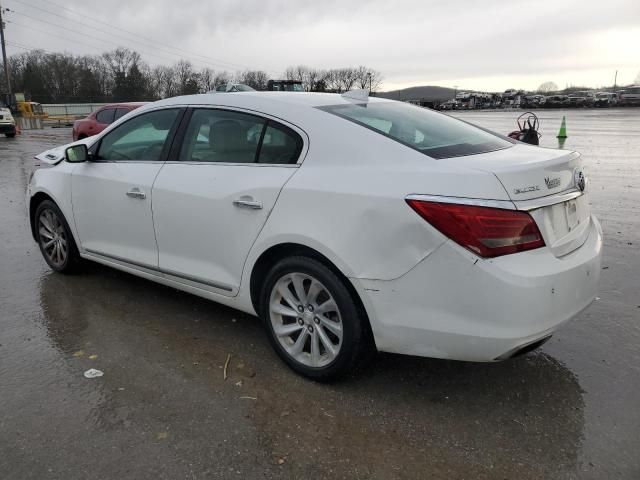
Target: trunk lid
[546,182]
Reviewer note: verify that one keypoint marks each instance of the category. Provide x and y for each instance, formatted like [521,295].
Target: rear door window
[280,145]
[225,136]
[221,136]
[105,116]
[435,134]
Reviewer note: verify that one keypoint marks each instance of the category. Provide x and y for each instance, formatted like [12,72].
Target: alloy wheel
[305,319]
[53,237]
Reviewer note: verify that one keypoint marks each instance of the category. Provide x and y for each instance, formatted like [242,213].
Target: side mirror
[77,153]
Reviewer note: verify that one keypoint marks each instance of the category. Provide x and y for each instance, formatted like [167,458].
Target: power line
[28,47]
[93,37]
[95,20]
[209,60]
[84,44]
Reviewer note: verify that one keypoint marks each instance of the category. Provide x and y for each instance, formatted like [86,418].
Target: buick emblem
[579,179]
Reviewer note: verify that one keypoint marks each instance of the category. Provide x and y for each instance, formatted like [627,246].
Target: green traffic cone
[563,128]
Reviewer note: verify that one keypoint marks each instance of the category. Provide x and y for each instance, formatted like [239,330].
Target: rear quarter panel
[347,200]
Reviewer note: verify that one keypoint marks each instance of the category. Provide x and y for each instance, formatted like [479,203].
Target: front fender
[53,183]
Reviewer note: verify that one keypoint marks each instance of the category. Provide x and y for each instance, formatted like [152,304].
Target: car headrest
[227,136]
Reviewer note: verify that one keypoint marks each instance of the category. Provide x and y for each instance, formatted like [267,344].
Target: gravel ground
[163,410]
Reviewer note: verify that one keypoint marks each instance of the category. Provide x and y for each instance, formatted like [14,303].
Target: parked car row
[511,98]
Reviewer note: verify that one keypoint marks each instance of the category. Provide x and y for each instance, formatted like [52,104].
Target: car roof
[309,99]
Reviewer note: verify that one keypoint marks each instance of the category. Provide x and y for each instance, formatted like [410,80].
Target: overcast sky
[489,44]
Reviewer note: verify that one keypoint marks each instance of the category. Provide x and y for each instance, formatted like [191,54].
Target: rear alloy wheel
[314,323]
[306,319]
[54,238]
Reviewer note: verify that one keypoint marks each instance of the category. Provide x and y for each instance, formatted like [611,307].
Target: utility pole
[615,81]
[4,55]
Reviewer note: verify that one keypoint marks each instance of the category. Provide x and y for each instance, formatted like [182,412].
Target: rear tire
[312,320]
[55,239]
[10,135]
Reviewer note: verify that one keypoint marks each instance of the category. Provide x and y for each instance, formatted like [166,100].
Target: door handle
[136,193]
[252,204]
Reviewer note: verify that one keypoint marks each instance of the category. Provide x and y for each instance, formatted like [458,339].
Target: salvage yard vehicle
[7,123]
[233,88]
[630,95]
[581,99]
[348,224]
[606,99]
[101,119]
[556,101]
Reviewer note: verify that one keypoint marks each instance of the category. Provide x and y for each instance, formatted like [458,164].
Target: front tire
[55,239]
[313,322]
[10,135]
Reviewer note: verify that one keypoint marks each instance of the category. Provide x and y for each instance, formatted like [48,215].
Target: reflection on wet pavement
[163,410]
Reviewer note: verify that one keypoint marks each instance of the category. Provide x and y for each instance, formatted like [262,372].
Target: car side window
[105,116]
[280,145]
[140,138]
[120,112]
[222,136]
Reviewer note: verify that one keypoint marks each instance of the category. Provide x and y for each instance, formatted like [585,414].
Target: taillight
[488,232]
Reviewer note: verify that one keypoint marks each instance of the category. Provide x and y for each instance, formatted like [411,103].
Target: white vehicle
[606,99]
[630,95]
[345,223]
[7,123]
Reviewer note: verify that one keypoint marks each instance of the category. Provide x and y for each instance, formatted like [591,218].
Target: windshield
[434,134]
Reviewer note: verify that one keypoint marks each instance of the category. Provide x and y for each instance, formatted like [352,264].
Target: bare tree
[368,78]
[221,78]
[256,79]
[205,80]
[547,87]
[121,59]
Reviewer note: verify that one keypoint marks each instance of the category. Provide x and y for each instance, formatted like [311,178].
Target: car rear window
[434,134]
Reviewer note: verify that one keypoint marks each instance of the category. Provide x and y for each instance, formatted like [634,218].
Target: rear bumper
[456,306]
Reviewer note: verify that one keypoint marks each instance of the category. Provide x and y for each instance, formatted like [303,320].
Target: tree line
[122,75]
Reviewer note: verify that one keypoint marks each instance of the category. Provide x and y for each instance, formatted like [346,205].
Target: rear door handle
[136,193]
[252,204]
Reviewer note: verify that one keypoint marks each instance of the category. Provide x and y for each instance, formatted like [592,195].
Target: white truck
[7,123]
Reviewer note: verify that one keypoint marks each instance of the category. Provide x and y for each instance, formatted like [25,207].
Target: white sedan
[346,223]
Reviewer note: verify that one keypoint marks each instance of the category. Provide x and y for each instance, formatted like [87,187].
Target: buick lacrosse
[346,223]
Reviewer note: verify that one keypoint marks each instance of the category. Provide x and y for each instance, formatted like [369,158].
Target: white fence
[73,109]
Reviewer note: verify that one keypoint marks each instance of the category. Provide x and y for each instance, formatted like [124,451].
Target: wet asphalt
[163,410]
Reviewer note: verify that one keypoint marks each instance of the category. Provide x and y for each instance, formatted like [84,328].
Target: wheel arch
[34,201]
[277,252]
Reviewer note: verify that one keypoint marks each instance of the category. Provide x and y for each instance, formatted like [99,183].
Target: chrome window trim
[523,205]
[230,164]
[306,142]
[477,202]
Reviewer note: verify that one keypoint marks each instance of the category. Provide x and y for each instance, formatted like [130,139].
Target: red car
[101,119]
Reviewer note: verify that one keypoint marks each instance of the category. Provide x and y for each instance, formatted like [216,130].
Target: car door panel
[208,215]
[211,200]
[110,221]
[111,194]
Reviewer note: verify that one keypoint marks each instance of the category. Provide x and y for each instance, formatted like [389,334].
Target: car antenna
[357,94]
